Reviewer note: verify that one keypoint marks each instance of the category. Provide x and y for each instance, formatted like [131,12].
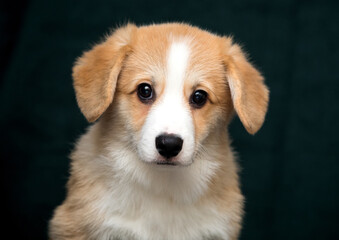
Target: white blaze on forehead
[176,116]
[175,113]
[171,113]
[176,65]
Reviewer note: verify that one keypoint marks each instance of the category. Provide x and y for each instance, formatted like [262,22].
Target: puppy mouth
[168,163]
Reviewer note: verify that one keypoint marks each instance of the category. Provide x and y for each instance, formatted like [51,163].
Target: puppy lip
[169,163]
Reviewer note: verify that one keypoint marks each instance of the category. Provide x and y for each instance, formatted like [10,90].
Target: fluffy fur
[115,190]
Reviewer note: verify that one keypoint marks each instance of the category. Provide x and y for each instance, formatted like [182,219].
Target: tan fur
[96,72]
[106,80]
[249,94]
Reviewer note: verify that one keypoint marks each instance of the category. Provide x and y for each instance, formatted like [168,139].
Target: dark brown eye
[145,92]
[198,98]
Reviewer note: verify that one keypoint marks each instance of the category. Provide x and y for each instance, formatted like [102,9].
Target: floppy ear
[96,72]
[248,91]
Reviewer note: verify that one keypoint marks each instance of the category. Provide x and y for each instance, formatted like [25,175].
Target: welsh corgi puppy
[157,163]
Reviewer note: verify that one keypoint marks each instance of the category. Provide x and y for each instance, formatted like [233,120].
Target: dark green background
[290,173]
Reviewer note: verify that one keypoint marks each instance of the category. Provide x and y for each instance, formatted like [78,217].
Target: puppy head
[173,86]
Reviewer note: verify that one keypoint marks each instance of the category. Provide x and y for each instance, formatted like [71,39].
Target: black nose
[168,145]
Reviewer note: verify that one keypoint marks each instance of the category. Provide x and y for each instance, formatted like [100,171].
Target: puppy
[158,163]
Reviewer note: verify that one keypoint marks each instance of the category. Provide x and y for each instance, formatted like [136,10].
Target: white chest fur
[138,215]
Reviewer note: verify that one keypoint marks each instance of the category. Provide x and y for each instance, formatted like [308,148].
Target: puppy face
[174,86]
[187,93]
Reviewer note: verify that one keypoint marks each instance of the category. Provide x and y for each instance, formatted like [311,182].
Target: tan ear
[96,72]
[249,93]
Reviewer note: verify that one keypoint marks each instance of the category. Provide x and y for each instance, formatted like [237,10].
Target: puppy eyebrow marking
[206,86]
[142,80]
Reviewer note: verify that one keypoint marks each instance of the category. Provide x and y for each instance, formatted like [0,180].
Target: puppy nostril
[168,145]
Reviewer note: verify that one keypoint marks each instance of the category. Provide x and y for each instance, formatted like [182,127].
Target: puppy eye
[145,92]
[198,98]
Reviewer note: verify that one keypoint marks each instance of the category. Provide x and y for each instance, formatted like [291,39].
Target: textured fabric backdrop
[290,169]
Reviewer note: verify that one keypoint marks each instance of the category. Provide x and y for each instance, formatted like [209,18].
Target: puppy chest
[157,221]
